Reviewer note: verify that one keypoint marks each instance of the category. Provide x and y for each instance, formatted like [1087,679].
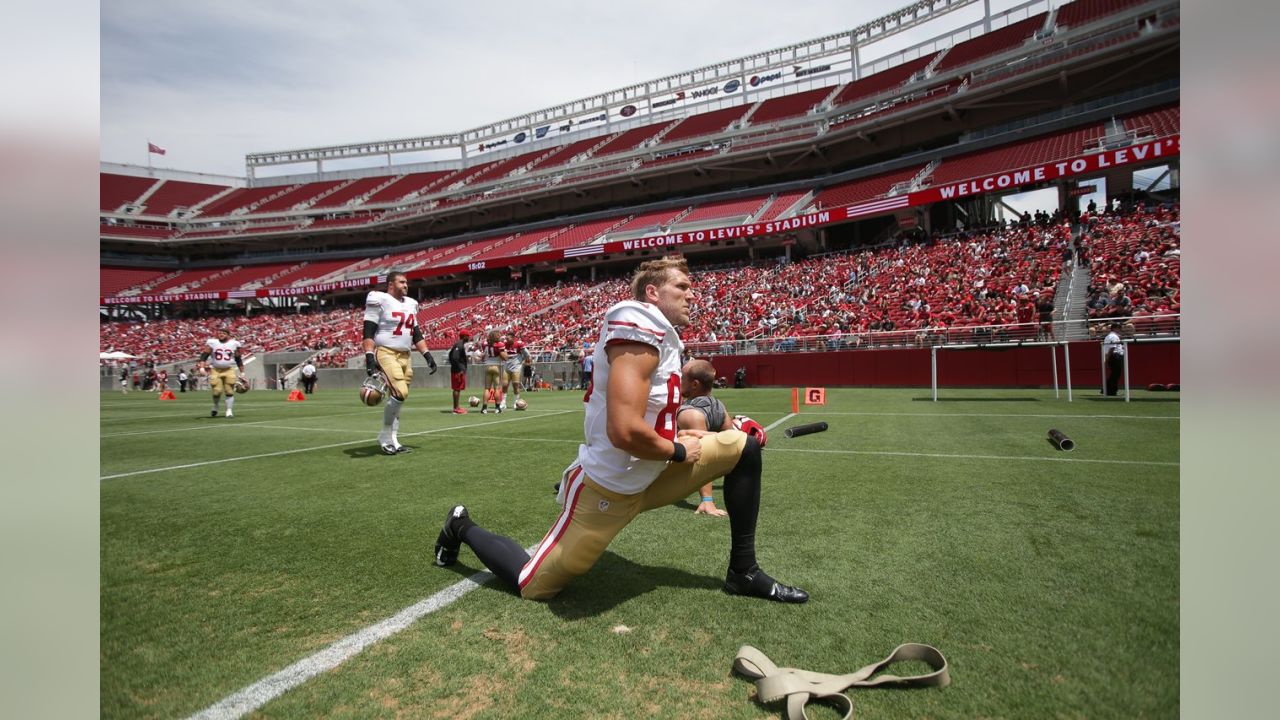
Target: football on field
[473,401]
[521,404]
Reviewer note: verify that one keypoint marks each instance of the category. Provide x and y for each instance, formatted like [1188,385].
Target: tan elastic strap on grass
[800,687]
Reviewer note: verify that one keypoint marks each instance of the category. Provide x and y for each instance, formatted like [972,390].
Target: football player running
[390,332]
[223,355]
[633,459]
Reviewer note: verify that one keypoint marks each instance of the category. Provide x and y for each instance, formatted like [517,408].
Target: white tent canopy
[115,355]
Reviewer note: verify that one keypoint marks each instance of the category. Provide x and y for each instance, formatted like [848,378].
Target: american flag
[877,206]
[583,251]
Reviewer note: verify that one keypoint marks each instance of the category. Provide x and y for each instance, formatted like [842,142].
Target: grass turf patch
[1049,579]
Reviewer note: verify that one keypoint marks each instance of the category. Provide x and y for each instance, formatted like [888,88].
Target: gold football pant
[397,367]
[593,515]
[222,381]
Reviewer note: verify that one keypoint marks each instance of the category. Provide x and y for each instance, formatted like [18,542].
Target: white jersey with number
[222,355]
[614,469]
[491,353]
[396,319]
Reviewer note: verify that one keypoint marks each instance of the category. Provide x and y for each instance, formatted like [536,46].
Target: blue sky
[211,82]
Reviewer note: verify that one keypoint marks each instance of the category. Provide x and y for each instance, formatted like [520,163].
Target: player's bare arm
[631,365]
[691,419]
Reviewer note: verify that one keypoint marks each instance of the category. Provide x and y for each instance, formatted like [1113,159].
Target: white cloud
[212,82]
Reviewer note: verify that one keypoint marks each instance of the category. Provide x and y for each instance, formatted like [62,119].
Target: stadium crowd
[998,282]
[167,341]
[1135,264]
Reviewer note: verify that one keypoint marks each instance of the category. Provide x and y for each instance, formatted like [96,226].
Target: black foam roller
[799,430]
[1062,441]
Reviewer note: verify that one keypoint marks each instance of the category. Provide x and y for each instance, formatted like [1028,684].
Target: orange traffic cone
[168,395]
[296,395]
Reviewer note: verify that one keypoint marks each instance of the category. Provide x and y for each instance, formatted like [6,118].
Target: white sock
[230,401]
[390,416]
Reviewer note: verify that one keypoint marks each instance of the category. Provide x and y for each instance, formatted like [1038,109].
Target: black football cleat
[213,412]
[402,449]
[448,542]
[757,583]
[387,449]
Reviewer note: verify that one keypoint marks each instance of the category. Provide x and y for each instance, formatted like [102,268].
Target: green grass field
[232,549]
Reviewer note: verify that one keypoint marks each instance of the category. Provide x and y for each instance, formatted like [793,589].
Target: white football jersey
[491,356]
[612,468]
[222,355]
[396,319]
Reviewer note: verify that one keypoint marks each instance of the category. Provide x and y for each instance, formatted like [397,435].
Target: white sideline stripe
[577,442]
[318,447]
[517,439]
[779,421]
[368,433]
[248,699]
[1017,415]
[189,428]
[208,425]
[508,438]
[187,414]
[123,418]
[258,423]
[977,457]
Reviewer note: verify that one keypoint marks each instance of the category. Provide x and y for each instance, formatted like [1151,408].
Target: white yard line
[517,439]
[1067,416]
[576,442]
[367,432]
[318,447]
[772,448]
[974,457]
[188,413]
[252,697]
[222,422]
[779,421]
[189,428]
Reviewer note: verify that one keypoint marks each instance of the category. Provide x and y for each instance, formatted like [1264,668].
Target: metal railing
[1139,329]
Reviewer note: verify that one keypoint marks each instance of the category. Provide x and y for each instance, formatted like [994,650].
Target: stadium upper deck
[809,122]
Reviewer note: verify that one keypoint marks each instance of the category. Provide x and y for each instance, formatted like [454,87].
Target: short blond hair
[656,272]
